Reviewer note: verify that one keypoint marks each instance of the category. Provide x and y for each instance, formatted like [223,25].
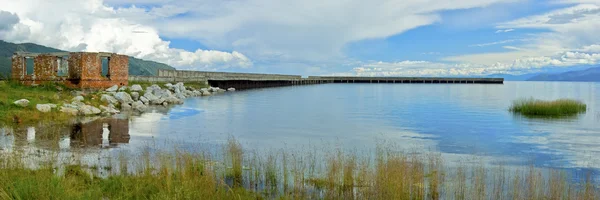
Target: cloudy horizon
[312,37]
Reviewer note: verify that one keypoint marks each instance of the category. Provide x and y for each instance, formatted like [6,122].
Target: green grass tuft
[556,108]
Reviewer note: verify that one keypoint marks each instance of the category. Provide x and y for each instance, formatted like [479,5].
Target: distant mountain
[7,49]
[510,77]
[587,75]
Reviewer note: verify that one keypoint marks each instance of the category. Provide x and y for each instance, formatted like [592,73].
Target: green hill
[7,49]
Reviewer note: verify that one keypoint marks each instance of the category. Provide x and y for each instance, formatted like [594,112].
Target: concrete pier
[252,80]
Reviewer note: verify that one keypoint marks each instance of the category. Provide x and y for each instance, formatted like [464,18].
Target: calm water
[455,120]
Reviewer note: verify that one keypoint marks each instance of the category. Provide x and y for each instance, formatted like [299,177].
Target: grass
[335,174]
[556,108]
[11,114]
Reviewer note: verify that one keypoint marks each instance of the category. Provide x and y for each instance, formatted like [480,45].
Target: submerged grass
[387,174]
[556,108]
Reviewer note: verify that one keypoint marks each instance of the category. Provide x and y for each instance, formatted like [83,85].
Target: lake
[456,120]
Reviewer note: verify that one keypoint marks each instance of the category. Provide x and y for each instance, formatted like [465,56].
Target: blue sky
[312,37]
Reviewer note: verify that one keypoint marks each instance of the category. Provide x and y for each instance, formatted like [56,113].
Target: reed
[337,174]
[556,108]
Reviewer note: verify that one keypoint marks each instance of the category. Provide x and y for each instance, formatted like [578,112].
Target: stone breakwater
[125,99]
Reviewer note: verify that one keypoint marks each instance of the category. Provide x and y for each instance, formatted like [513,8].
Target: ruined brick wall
[45,67]
[84,69]
[18,67]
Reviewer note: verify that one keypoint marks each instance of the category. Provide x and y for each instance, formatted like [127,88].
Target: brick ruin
[76,70]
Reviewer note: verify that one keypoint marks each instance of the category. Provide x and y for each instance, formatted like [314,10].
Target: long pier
[253,80]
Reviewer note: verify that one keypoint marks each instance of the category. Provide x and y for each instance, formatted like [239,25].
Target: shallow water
[455,120]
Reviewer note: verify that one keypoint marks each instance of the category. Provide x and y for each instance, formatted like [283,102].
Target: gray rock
[173,100]
[77,93]
[144,99]
[123,98]
[136,88]
[69,110]
[181,87]
[109,109]
[22,102]
[125,107]
[77,104]
[231,89]
[165,104]
[77,98]
[157,101]
[180,96]
[135,96]
[205,93]
[108,99]
[139,106]
[89,110]
[44,107]
[152,88]
[123,88]
[114,88]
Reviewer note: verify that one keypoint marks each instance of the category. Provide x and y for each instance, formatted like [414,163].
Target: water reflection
[103,133]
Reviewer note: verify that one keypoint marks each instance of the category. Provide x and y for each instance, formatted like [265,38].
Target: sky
[316,37]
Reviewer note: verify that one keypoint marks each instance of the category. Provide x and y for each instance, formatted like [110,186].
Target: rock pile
[133,98]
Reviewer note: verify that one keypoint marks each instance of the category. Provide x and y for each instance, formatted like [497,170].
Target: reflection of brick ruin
[78,70]
[90,134]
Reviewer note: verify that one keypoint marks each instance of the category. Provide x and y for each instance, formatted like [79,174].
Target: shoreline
[56,104]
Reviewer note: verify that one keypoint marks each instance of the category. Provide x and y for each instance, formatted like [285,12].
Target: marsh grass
[242,174]
[557,108]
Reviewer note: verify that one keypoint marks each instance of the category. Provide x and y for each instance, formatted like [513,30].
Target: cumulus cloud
[293,31]
[7,20]
[89,25]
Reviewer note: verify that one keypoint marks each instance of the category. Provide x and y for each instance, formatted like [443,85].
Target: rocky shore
[117,99]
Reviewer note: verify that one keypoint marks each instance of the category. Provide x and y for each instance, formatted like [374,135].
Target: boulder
[77,104]
[123,97]
[123,88]
[135,96]
[180,86]
[22,102]
[77,93]
[179,96]
[69,110]
[44,107]
[152,88]
[136,88]
[165,104]
[144,99]
[125,107]
[114,88]
[139,106]
[77,98]
[205,93]
[173,100]
[89,110]
[230,89]
[108,99]
[109,109]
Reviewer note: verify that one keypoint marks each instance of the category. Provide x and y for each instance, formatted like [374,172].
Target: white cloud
[568,35]
[492,43]
[427,68]
[505,30]
[294,31]
[91,26]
